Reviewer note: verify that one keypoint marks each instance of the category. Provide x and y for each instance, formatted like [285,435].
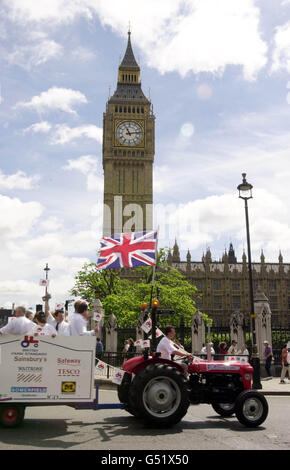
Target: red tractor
[160,392]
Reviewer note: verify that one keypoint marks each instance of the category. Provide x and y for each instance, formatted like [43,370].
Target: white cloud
[32,55]
[84,164]
[18,217]
[88,166]
[193,35]
[83,54]
[20,287]
[42,127]
[64,134]
[182,35]
[51,224]
[214,218]
[62,242]
[281,54]
[43,11]
[204,91]
[61,99]
[18,180]
[187,129]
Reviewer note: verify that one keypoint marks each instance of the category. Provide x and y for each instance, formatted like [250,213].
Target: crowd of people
[224,351]
[26,322]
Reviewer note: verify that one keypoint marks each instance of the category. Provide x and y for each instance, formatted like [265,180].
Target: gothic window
[142,154]
[236,285]
[236,302]
[133,109]
[198,303]
[217,284]
[198,285]
[116,109]
[120,109]
[142,110]
[129,109]
[272,284]
[217,302]
[125,109]
[273,302]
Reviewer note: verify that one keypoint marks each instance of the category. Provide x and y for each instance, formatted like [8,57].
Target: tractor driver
[166,346]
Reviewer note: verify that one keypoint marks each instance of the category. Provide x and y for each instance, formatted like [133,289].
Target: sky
[218,75]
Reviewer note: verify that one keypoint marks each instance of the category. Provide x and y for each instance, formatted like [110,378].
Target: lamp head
[245,188]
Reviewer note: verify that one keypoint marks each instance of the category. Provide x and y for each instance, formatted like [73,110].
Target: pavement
[269,387]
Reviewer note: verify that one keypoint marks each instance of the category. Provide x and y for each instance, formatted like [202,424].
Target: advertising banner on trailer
[46,369]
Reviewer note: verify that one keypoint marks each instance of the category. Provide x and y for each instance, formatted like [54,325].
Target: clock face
[129,133]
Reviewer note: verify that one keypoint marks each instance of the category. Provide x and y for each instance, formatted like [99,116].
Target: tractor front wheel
[251,408]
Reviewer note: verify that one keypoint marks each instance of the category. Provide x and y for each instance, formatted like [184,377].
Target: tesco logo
[68,371]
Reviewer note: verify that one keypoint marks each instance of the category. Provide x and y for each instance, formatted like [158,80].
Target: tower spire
[129,60]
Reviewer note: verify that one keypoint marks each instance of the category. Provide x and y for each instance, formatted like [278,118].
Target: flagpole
[153,314]
[153,269]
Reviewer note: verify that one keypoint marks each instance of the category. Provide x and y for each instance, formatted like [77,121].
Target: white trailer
[45,370]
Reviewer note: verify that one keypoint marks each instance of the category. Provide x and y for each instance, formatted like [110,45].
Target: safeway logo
[29,340]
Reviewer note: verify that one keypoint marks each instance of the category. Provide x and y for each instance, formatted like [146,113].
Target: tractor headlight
[247,376]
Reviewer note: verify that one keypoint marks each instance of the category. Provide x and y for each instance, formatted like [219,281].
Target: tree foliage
[123,297]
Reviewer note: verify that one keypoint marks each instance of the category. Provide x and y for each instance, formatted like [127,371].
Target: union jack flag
[128,250]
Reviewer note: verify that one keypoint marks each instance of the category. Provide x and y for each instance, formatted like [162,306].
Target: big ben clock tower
[128,152]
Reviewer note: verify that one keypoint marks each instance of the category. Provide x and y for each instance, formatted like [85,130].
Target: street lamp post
[245,192]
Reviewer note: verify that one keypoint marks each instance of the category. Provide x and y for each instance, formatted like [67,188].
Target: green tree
[123,297]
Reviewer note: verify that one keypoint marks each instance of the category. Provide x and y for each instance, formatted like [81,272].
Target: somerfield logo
[29,340]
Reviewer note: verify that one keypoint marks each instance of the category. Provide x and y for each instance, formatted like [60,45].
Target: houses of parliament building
[224,285]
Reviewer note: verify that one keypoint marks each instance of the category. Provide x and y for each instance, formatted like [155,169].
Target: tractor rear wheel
[123,395]
[159,393]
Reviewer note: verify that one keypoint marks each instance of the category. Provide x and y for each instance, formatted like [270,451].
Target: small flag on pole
[44,282]
[128,250]
[118,376]
[147,325]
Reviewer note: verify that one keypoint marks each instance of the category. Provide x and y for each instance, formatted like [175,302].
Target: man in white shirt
[166,346]
[58,322]
[233,351]
[78,321]
[18,325]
